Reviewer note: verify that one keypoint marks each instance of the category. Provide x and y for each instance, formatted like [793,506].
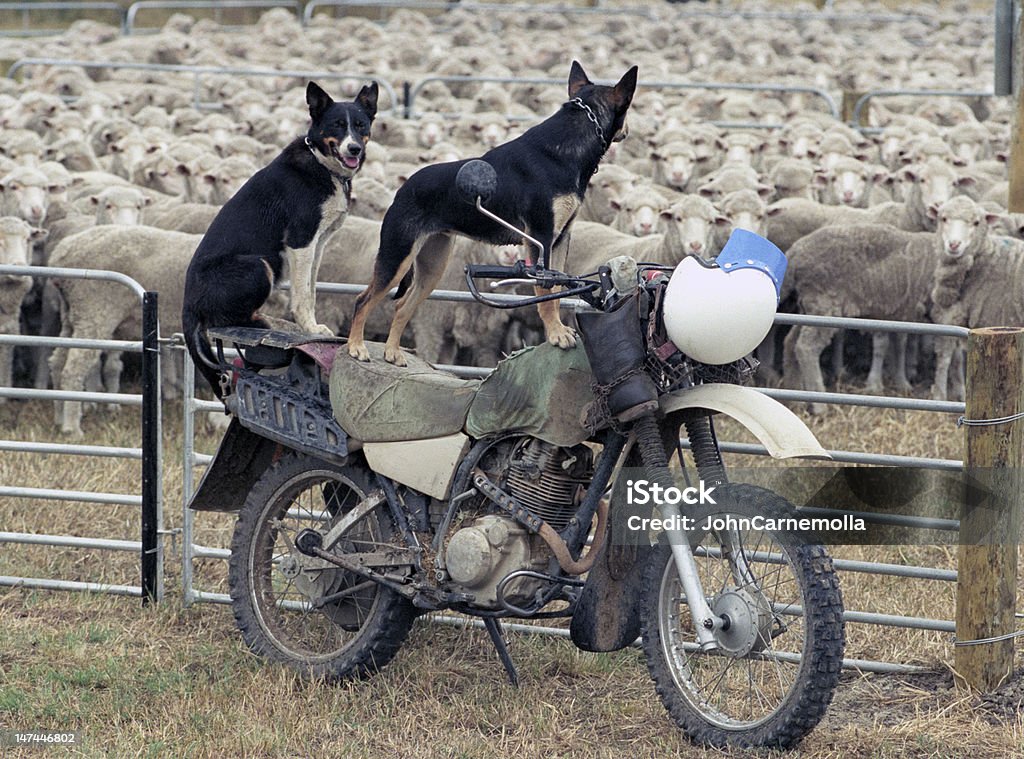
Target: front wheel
[778,656]
[307,613]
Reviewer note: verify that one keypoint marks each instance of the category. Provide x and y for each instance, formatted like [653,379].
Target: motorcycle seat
[378,402]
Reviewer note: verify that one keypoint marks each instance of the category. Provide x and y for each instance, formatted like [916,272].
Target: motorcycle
[368,494]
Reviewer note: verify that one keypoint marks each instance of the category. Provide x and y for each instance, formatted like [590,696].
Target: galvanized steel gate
[150,454]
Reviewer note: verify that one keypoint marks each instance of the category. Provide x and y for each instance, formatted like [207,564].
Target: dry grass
[167,680]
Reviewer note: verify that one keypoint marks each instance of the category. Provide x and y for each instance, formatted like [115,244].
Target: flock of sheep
[116,167]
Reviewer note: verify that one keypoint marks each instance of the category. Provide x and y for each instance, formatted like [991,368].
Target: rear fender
[778,429]
[240,460]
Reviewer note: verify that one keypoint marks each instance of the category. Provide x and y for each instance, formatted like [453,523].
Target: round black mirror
[476,179]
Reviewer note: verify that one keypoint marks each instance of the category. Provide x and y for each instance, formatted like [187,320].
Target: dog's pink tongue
[350,162]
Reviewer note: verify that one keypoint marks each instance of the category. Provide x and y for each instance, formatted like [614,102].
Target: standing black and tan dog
[542,176]
[284,212]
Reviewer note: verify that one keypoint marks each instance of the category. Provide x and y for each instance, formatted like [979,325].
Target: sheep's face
[16,240]
[25,198]
[643,219]
[694,225]
[121,208]
[962,227]
[847,185]
[676,166]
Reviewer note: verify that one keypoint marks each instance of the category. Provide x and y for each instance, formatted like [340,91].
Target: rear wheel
[777,661]
[278,593]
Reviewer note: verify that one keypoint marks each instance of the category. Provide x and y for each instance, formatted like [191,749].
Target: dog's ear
[577,78]
[367,99]
[622,93]
[317,100]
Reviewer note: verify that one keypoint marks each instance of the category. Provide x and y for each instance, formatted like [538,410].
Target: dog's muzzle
[349,154]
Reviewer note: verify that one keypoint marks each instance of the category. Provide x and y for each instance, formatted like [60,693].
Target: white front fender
[779,429]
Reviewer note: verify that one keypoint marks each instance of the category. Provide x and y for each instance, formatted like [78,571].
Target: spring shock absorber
[704,447]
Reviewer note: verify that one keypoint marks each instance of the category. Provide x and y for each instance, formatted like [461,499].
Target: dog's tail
[201,352]
[404,284]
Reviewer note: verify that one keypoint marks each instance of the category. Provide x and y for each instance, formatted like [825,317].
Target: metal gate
[150,453]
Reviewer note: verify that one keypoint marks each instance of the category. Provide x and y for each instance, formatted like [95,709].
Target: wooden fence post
[989,532]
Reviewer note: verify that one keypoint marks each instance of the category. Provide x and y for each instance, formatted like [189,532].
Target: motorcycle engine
[547,480]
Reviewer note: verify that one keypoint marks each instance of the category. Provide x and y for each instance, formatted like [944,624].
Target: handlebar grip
[478,271]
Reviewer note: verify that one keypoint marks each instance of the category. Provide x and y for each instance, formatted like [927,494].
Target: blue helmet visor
[746,250]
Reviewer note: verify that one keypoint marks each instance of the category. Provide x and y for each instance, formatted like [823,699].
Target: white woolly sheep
[25,193]
[155,258]
[675,165]
[637,214]
[850,182]
[744,209]
[792,178]
[611,183]
[978,281]
[865,270]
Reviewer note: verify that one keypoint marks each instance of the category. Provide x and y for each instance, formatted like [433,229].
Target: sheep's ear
[721,221]
[146,201]
[577,78]
[666,215]
[932,212]
[209,179]
[94,199]
[317,100]
[183,169]
[993,218]
[706,192]
[764,190]
[38,235]
[615,204]
[965,182]
[367,99]
[773,210]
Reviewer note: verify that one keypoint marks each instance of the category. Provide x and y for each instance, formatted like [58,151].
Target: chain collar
[593,117]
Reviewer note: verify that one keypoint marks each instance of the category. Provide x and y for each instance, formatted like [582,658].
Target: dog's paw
[395,356]
[358,351]
[562,337]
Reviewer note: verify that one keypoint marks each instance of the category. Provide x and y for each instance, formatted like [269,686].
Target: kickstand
[493,625]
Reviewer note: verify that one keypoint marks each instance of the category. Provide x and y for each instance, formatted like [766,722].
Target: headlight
[719,312]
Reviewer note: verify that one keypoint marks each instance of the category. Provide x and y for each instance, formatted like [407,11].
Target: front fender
[777,428]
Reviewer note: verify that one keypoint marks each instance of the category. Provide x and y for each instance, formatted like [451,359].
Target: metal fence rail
[863,100]
[149,454]
[198,72]
[192,459]
[218,6]
[830,103]
[386,6]
[83,9]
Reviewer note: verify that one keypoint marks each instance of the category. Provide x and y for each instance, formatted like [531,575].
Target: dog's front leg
[300,263]
[556,332]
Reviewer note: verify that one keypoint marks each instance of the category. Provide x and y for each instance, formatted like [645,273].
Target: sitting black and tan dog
[284,213]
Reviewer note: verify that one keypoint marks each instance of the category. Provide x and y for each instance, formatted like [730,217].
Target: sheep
[674,165]
[857,270]
[370,199]
[155,258]
[224,178]
[695,219]
[732,177]
[744,209]
[172,215]
[929,184]
[114,205]
[611,183]
[24,192]
[17,238]
[792,178]
[850,182]
[977,283]
[638,213]
[741,148]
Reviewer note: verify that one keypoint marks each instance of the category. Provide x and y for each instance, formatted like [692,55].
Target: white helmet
[717,312]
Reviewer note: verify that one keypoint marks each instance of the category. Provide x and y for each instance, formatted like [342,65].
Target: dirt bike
[368,494]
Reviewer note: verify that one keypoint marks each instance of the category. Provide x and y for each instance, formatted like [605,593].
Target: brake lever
[510,283]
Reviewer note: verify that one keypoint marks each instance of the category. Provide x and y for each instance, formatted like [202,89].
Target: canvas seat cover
[378,402]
